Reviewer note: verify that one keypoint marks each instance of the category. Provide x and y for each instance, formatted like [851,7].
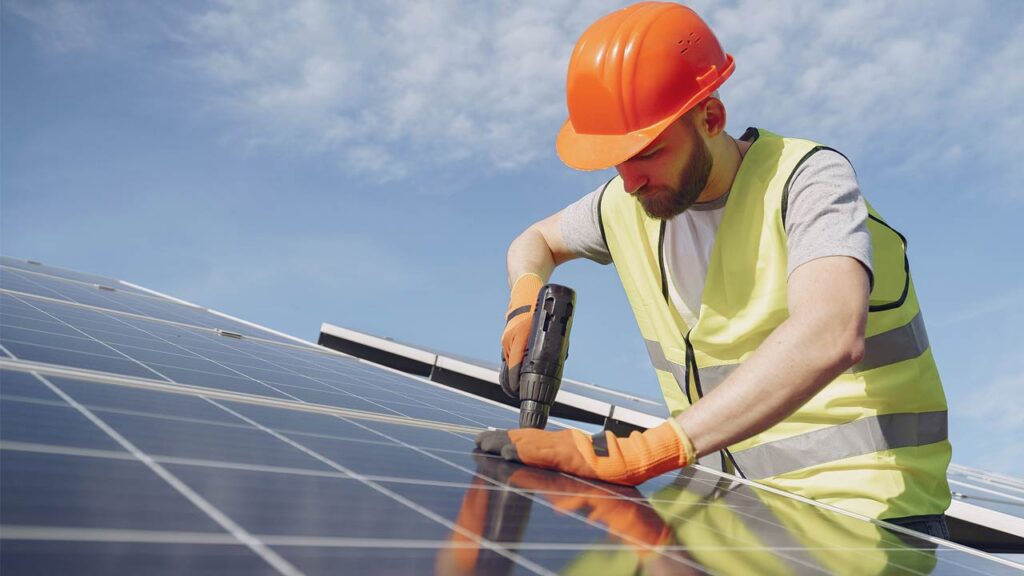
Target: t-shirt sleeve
[581,228]
[826,214]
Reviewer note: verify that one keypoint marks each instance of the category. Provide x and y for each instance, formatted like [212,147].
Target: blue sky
[367,164]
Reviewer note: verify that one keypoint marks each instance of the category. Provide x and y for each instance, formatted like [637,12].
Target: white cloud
[372,83]
[988,404]
[1006,457]
[442,83]
[63,25]
[1011,302]
[396,89]
[990,426]
[907,83]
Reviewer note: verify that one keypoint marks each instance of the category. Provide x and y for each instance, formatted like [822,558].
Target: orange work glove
[517,327]
[628,461]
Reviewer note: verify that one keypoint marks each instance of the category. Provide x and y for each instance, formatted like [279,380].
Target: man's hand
[517,328]
[628,461]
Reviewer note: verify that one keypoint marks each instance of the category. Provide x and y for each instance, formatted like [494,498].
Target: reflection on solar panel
[144,435]
[987,511]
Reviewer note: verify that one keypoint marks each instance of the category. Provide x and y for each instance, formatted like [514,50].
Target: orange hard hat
[633,73]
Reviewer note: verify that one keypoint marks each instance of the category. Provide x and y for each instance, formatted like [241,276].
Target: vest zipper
[661,262]
[691,361]
[691,368]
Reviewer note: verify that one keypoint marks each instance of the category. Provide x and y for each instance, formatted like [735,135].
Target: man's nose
[632,179]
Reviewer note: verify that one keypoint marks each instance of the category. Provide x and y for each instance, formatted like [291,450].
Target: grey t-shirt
[825,216]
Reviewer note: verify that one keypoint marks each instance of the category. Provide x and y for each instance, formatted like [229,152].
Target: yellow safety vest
[874,440]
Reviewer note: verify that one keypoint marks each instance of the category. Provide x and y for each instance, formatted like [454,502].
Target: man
[776,304]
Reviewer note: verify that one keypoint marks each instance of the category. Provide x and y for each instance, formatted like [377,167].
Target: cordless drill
[540,374]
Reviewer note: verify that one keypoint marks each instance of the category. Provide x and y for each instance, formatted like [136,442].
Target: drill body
[540,374]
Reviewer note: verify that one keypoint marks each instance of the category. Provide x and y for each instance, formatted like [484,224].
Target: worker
[776,304]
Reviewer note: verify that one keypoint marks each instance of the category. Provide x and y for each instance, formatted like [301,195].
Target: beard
[664,202]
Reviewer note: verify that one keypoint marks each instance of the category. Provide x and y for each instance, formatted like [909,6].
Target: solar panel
[987,511]
[995,491]
[42,270]
[139,434]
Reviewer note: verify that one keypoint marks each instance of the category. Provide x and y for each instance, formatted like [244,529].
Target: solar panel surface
[993,491]
[137,438]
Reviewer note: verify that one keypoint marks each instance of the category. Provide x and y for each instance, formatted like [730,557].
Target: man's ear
[712,116]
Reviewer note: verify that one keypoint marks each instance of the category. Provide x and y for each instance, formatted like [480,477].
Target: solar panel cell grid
[136,445]
[188,357]
[125,302]
[156,559]
[11,264]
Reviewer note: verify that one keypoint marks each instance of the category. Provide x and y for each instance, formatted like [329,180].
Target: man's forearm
[538,250]
[529,253]
[792,365]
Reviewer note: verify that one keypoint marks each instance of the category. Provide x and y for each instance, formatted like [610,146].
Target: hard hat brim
[600,151]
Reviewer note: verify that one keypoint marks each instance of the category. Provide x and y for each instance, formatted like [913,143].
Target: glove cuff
[670,438]
[525,290]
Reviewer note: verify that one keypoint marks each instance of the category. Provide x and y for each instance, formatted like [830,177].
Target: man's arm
[823,336]
[538,250]
[531,258]
[573,232]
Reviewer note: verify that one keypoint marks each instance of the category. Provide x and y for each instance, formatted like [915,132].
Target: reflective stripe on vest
[904,343]
[660,362]
[864,436]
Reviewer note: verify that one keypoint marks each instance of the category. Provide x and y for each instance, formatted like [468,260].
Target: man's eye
[647,155]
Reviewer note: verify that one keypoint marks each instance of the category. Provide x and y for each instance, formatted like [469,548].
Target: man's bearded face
[664,202]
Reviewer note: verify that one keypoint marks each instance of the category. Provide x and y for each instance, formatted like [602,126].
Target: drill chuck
[540,374]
